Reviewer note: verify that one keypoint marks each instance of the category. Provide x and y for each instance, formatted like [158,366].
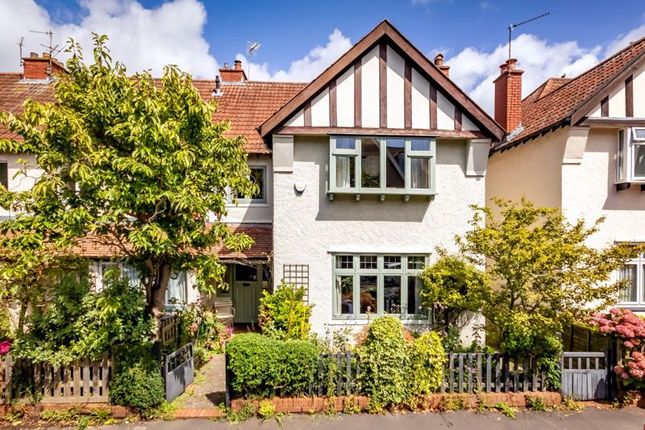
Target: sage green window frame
[382,189]
[380,272]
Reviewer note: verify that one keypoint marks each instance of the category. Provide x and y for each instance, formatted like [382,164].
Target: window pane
[368,262]
[639,160]
[345,171]
[414,295]
[345,143]
[4,174]
[344,262]
[416,262]
[392,262]
[395,163]
[369,294]
[419,174]
[639,133]
[345,294]
[392,294]
[246,273]
[628,294]
[257,177]
[420,145]
[177,286]
[370,163]
[621,155]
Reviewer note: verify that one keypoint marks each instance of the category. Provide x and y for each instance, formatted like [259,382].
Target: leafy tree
[452,287]
[130,162]
[543,272]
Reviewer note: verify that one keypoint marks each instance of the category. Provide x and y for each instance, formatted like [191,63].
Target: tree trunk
[156,286]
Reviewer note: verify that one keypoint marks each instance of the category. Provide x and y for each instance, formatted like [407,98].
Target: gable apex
[390,83]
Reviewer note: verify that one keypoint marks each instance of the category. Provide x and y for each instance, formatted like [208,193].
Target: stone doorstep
[431,402]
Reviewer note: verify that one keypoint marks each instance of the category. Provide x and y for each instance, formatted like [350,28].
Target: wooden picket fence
[481,372]
[82,381]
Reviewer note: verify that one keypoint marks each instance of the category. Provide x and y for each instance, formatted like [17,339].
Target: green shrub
[427,358]
[385,364]
[137,381]
[203,329]
[263,367]
[535,403]
[283,314]
[506,410]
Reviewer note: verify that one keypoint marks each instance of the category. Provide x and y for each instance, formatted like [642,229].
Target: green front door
[246,293]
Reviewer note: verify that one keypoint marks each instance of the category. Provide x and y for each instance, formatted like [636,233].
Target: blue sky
[300,38]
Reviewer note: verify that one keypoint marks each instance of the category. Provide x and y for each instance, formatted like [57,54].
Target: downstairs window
[384,284]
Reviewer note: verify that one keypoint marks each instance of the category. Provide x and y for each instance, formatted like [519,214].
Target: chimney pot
[438,61]
[508,95]
[225,66]
[45,54]
[238,65]
[33,55]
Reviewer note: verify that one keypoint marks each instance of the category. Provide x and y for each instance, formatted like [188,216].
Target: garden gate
[585,375]
[178,371]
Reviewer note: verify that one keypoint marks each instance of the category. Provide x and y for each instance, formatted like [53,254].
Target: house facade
[362,174]
[578,144]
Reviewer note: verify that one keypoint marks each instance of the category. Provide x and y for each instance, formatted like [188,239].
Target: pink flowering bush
[5,347]
[628,326]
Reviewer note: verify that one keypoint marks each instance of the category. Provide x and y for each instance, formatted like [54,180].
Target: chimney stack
[508,95]
[438,61]
[41,67]
[234,75]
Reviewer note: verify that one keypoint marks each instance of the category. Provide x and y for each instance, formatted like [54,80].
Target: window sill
[406,319]
[621,186]
[382,194]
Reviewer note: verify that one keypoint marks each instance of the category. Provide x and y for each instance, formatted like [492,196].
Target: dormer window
[631,155]
[381,166]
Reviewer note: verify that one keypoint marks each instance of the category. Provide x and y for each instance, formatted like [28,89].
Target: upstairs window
[630,157]
[377,165]
[257,176]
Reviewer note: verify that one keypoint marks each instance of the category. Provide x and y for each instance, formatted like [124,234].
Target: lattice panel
[298,275]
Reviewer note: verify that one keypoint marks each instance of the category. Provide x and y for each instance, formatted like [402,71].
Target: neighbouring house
[579,144]
[363,172]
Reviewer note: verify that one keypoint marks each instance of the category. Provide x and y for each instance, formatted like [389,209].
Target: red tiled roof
[262,235]
[14,92]
[246,105]
[555,101]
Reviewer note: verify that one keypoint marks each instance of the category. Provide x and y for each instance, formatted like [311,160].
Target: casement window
[258,176]
[126,271]
[630,157]
[378,284]
[381,165]
[4,174]
[634,273]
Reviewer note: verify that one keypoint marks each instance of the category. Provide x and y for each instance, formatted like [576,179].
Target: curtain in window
[177,289]
[419,168]
[344,172]
[639,161]
[628,293]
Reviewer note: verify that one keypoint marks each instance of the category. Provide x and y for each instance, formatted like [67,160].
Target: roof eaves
[541,132]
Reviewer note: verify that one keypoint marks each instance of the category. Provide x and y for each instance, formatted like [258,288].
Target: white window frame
[405,272]
[639,262]
[627,143]
[382,190]
[245,201]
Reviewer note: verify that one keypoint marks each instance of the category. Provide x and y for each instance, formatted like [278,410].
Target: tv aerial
[252,48]
[512,27]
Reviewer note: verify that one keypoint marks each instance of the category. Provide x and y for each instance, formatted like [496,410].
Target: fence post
[227,379]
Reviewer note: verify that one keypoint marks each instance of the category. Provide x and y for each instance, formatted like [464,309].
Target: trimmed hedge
[264,367]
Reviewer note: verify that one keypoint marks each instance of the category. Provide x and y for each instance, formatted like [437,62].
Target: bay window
[381,165]
[633,274]
[378,284]
[630,157]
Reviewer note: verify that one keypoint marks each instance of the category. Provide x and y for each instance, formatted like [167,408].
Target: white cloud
[474,70]
[625,39]
[141,38]
[304,69]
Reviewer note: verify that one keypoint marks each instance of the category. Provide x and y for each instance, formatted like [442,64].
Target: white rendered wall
[345,99]
[320,110]
[420,101]
[22,173]
[445,113]
[308,226]
[370,109]
[395,84]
